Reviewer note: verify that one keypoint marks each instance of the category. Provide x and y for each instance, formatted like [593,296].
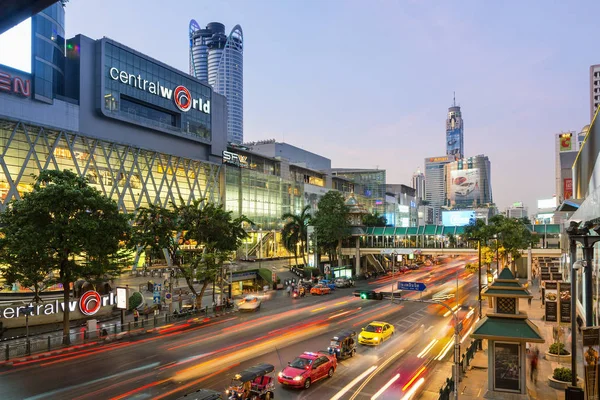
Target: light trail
[413,389]
[318,309]
[453,309]
[444,351]
[413,379]
[193,383]
[354,382]
[468,333]
[385,387]
[340,314]
[377,370]
[427,348]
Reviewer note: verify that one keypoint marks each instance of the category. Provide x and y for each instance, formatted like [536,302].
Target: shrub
[135,300]
[558,348]
[562,374]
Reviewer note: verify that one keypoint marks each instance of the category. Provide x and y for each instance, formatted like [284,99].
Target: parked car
[320,290]
[249,303]
[307,369]
[343,283]
[328,283]
[413,266]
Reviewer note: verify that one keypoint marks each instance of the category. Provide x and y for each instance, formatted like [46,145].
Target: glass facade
[372,187]
[131,176]
[139,89]
[48,48]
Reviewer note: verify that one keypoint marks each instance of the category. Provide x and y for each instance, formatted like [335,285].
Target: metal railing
[466,358]
[15,349]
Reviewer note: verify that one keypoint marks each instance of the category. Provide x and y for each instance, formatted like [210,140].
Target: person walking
[534,365]
[136,317]
[289,290]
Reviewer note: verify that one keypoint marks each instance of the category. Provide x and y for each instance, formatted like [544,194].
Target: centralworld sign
[88,304]
[180,95]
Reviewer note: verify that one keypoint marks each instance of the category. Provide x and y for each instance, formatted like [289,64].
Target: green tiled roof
[506,284]
[460,230]
[506,274]
[506,292]
[553,228]
[439,230]
[421,229]
[539,228]
[449,230]
[430,229]
[509,328]
[369,231]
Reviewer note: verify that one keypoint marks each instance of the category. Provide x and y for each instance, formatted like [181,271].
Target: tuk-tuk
[343,345]
[253,383]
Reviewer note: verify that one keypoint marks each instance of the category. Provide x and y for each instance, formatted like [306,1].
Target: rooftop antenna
[454,99]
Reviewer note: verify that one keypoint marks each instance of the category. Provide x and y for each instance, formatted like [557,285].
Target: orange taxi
[320,290]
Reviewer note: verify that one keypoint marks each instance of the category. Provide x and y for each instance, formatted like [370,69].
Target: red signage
[565,142]
[14,84]
[568,188]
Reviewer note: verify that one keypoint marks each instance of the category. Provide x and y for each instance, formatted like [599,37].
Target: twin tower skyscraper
[218,58]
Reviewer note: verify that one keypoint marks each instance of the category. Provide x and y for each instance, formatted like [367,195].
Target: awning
[553,228]
[412,230]
[430,229]
[389,231]
[378,231]
[511,329]
[401,231]
[420,230]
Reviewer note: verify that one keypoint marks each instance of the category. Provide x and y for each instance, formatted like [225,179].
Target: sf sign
[235,159]
[181,96]
[89,304]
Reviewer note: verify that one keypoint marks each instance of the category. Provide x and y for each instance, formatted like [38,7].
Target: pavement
[474,383]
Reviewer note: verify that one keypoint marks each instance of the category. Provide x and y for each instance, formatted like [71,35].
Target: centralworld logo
[182,98]
[90,303]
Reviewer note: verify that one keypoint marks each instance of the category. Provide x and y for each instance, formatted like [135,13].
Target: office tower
[594,89]
[48,48]
[435,185]
[455,145]
[517,210]
[218,59]
[469,182]
[418,183]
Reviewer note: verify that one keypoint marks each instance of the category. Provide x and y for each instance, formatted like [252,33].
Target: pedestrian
[136,316]
[534,365]
[529,301]
[289,290]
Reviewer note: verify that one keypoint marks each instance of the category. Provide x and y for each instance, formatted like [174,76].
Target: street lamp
[478,272]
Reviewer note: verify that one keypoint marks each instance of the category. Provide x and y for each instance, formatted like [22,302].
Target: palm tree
[294,232]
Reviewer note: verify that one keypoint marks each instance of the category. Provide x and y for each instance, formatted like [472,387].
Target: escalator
[374,262]
[254,251]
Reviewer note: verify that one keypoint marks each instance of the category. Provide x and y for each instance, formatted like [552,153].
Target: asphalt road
[195,354]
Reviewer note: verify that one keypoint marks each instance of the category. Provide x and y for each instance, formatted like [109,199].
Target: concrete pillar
[529,262]
[357,257]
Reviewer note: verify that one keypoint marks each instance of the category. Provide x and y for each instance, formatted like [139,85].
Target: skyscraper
[418,183]
[219,59]
[455,145]
[594,89]
[435,184]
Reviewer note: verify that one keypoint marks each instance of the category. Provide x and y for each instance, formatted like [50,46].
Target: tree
[331,223]
[294,232]
[208,227]
[71,227]
[451,240]
[374,220]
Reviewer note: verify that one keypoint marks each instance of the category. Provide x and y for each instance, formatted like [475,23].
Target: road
[196,354]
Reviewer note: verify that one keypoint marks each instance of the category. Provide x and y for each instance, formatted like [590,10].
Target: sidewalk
[474,383]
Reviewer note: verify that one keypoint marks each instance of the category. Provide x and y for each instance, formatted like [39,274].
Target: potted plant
[561,378]
[558,353]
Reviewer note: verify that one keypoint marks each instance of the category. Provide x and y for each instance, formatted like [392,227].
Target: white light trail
[354,382]
[385,387]
[413,389]
[427,348]
[444,351]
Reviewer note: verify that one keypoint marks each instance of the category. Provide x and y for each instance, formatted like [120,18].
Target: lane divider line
[354,382]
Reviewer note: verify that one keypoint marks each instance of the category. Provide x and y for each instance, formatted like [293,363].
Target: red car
[307,369]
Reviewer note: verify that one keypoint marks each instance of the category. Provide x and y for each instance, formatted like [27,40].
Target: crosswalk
[413,318]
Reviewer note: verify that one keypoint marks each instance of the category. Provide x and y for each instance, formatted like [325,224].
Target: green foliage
[331,222]
[374,220]
[295,233]
[63,225]
[135,300]
[558,348]
[471,267]
[563,374]
[452,240]
[310,272]
[213,232]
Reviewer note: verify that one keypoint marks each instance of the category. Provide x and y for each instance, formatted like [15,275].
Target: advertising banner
[565,302]
[551,301]
[567,188]
[464,184]
[457,218]
[507,366]
[565,143]
[453,141]
[590,340]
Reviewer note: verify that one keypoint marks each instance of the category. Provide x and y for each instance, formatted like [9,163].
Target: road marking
[340,303]
[318,309]
[377,370]
[385,387]
[354,382]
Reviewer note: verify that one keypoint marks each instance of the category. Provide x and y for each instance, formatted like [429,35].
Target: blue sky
[368,84]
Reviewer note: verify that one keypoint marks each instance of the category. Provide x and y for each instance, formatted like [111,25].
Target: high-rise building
[455,145]
[594,89]
[469,182]
[435,184]
[517,210]
[218,59]
[418,183]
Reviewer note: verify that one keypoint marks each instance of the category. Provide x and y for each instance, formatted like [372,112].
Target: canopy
[254,372]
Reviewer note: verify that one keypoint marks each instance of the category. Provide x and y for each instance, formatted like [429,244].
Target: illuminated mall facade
[143,132]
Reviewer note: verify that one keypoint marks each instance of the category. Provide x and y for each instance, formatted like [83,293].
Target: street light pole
[479,276]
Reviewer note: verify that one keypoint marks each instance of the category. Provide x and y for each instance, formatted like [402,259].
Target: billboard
[547,203]
[568,188]
[457,218]
[464,185]
[564,142]
[453,141]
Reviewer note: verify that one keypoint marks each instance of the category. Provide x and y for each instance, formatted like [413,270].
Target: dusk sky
[368,84]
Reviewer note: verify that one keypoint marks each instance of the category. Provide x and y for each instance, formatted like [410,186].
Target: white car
[249,303]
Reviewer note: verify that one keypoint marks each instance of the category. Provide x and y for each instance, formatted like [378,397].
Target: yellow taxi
[375,333]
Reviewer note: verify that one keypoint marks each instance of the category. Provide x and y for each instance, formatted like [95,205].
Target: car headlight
[298,378]
[227,391]
[376,339]
[280,374]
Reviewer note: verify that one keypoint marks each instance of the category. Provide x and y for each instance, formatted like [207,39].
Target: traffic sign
[168,298]
[414,286]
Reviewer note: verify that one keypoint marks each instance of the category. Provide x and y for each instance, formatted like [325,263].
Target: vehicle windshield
[301,363]
[373,328]
[334,343]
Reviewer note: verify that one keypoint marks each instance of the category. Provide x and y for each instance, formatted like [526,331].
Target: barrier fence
[12,349]
[447,389]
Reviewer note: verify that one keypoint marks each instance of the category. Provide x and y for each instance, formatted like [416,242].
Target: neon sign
[14,84]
